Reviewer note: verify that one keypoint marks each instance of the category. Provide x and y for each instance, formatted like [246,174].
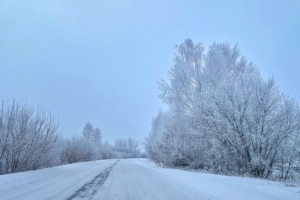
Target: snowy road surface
[136,179]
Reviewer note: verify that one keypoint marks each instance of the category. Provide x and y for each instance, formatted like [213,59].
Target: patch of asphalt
[89,189]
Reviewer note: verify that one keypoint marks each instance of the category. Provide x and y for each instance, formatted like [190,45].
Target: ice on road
[136,179]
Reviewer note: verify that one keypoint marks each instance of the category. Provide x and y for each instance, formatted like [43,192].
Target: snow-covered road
[136,179]
[59,182]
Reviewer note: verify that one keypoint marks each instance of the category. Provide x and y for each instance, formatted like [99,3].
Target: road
[59,182]
[135,179]
[131,179]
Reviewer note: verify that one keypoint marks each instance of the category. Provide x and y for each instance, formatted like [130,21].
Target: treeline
[224,117]
[31,139]
[90,147]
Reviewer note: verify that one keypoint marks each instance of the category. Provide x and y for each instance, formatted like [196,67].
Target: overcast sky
[99,61]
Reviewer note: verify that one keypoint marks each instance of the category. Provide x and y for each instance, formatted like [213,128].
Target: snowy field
[136,179]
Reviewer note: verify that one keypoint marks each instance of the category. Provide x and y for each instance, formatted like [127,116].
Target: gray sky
[99,61]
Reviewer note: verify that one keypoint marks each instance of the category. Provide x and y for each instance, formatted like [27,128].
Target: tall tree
[222,115]
[88,131]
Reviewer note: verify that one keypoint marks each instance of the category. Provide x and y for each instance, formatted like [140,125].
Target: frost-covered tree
[97,137]
[121,143]
[78,149]
[88,131]
[85,148]
[28,138]
[107,151]
[132,144]
[126,148]
[223,116]
[94,136]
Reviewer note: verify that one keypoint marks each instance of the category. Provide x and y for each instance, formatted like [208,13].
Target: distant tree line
[90,147]
[126,148]
[31,139]
[223,116]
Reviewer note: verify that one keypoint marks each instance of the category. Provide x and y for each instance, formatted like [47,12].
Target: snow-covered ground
[59,182]
[136,179]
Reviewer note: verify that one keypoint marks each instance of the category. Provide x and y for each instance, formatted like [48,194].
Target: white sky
[99,61]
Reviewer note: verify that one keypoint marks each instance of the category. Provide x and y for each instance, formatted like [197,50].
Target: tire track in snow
[89,189]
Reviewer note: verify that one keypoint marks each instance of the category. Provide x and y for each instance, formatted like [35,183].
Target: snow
[138,179]
[51,183]
[142,179]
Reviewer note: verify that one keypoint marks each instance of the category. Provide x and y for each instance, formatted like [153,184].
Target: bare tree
[27,138]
